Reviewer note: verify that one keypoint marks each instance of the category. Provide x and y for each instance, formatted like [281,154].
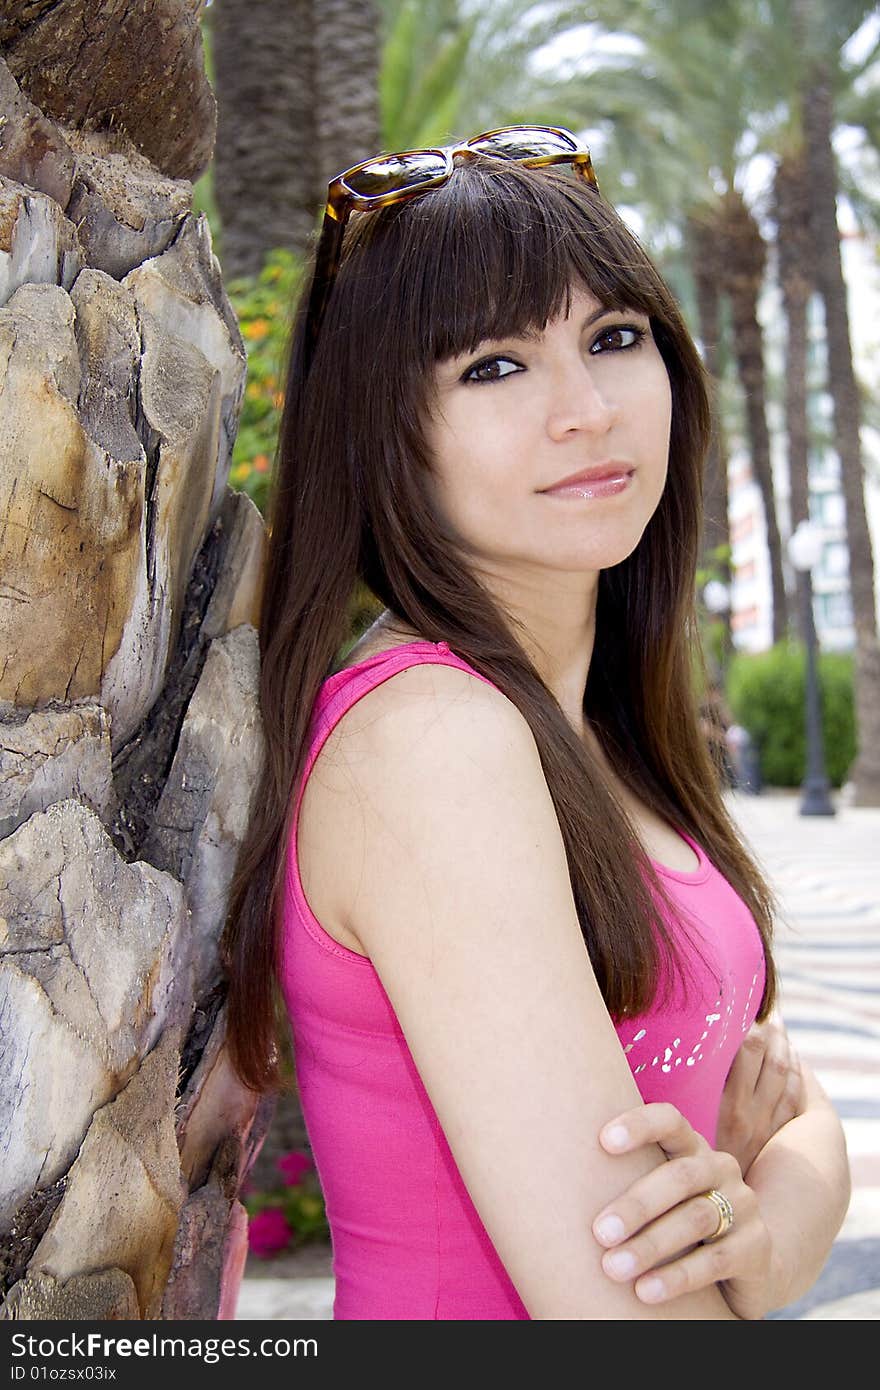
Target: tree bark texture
[115,66]
[130,734]
[743,272]
[818,126]
[705,249]
[297,86]
[796,270]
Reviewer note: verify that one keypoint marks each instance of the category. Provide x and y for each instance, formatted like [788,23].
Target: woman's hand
[653,1233]
[763,1091]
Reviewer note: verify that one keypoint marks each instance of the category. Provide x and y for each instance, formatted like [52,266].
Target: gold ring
[725,1215]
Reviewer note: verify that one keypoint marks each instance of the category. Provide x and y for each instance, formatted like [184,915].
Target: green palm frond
[861,109]
[433,108]
[859,178]
[396,74]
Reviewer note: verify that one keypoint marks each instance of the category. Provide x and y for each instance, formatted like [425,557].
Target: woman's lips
[604,485]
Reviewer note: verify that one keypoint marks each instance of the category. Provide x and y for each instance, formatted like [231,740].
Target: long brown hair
[491,254]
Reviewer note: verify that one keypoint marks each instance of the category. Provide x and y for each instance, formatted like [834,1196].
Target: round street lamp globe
[716,596]
[805,545]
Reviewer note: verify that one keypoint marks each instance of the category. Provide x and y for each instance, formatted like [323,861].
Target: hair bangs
[492,254]
[502,266]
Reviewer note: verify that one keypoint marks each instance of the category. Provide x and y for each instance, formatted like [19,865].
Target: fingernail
[610,1229]
[651,1290]
[616,1136]
[621,1263]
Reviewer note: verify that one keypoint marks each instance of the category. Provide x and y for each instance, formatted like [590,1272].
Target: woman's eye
[619,338]
[491,369]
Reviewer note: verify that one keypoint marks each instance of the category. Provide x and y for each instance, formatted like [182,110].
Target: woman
[518,940]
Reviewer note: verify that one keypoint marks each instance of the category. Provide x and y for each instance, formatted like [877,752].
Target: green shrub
[766,694]
[263,306]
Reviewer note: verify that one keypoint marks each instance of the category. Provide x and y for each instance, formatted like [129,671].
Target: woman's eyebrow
[454,361]
[611,309]
[531,334]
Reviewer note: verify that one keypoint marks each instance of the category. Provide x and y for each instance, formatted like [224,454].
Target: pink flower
[293,1165]
[268,1232]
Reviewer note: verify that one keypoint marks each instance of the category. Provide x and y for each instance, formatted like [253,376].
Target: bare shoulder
[422,723]
[395,744]
[426,740]
[440,767]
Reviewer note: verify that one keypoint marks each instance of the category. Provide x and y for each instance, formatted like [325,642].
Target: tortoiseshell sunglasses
[392,178]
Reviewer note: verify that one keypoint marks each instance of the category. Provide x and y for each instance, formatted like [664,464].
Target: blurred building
[750,591]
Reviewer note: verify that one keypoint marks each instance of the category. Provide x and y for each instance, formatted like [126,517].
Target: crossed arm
[780,1160]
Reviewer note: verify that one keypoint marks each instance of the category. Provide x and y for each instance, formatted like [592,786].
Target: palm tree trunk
[743,276]
[297,88]
[265,169]
[818,125]
[346,84]
[705,272]
[703,239]
[130,732]
[794,248]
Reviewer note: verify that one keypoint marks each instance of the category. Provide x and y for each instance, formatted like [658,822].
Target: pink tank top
[407,1241]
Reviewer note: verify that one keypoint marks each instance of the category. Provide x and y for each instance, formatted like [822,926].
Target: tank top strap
[344,688]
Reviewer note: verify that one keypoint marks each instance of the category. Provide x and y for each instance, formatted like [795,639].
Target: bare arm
[801,1179]
[779,1123]
[464,905]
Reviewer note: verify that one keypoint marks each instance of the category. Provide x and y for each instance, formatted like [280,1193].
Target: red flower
[268,1232]
[293,1165]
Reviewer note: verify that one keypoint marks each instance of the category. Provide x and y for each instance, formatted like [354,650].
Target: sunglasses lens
[394,172]
[523,143]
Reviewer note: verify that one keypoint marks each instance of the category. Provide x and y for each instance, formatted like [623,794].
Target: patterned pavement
[824,870]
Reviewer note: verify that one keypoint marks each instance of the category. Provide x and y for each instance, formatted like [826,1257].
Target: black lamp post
[804,551]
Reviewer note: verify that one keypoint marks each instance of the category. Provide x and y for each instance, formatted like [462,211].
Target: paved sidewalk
[825,872]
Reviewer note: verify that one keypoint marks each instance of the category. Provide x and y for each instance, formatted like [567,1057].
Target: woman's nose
[579,403]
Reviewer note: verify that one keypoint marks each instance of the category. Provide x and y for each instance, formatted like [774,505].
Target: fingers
[746,1068]
[657,1123]
[776,1067]
[673,1188]
[761,1092]
[702,1266]
[738,1117]
[666,1257]
[692,1168]
[658,1275]
[652,1232]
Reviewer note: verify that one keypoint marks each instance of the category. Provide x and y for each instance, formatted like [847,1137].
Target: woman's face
[520,414]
